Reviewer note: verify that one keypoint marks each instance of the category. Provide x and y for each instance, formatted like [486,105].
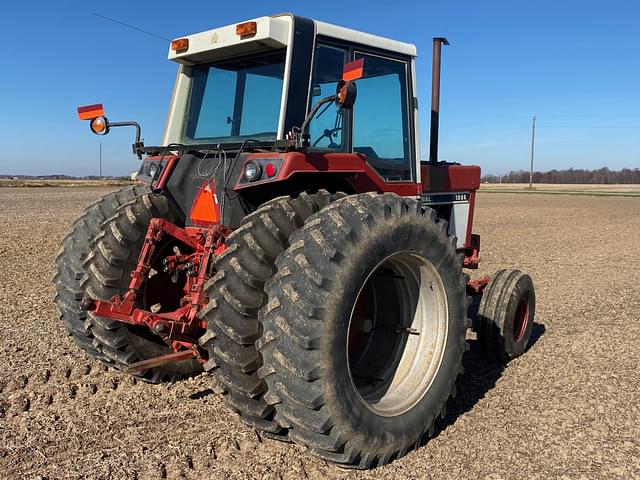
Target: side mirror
[346,93]
[345,97]
[99,125]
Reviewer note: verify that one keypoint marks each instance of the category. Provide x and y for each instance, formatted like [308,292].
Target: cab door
[381,121]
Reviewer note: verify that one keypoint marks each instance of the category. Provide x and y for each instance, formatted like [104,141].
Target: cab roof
[275,32]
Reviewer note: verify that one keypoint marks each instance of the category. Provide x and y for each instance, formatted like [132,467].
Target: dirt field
[569,408]
[560,188]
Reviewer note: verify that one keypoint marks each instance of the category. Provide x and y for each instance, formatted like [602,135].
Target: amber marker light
[180,45]
[99,126]
[246,29]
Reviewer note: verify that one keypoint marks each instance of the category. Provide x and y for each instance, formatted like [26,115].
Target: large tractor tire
[505,315]
[104,269]
[364,330]
[70,266]
[236,294]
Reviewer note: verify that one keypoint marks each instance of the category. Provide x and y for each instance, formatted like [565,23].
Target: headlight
[252,170]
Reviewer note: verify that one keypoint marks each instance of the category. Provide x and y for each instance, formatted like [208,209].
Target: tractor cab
[258,80]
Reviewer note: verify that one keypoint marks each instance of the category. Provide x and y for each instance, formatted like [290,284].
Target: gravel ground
[568,408]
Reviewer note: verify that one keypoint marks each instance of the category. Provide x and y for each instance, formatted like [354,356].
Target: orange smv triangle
[205,207]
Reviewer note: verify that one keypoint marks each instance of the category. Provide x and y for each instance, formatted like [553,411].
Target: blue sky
[574,64]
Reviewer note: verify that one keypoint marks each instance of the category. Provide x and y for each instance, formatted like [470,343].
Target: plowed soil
[568,408]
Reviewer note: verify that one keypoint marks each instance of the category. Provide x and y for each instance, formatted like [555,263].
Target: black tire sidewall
[523,288]
[367,430]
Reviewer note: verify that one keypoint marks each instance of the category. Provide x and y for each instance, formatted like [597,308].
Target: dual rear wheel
[364,329]
[360,329]
[97,257]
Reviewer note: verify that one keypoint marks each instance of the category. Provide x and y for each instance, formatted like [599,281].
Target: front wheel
[364,330]
[506,314]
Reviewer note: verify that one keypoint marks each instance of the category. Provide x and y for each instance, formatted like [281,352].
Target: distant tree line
[600,176]
[64,177]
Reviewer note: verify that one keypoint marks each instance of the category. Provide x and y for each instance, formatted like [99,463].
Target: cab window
[380,117]
[326,127]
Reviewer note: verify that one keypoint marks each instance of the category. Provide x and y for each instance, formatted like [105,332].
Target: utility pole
[100,160]
[533,143]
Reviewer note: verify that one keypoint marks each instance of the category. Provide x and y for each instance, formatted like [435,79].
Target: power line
[589,126]
[490,122]
[591,115]
[131,26]
[509,122]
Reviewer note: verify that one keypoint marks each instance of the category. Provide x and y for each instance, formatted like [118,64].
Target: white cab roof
[349,35]
[274,31]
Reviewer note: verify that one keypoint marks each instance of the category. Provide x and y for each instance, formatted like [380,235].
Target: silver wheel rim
[396,341]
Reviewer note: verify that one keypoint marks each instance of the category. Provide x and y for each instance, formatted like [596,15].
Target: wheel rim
[397,334]
[521,319]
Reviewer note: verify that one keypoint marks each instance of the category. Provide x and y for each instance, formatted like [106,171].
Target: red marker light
[270,169]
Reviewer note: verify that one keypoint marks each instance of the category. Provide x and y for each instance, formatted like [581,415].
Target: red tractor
[287,238]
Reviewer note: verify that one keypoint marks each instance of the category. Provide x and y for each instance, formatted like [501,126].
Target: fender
[352,166]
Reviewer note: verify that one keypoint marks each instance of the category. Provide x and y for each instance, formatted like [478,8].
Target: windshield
[234,100]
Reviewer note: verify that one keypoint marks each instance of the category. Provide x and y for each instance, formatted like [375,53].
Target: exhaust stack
[435,97]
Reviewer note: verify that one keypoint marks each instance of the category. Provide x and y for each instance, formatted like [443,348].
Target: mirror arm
[138,145]
[314,110]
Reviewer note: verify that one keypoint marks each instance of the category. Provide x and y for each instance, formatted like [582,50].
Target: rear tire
[362,382]
[70,267]
[108,266]
[506,315]
[236,294]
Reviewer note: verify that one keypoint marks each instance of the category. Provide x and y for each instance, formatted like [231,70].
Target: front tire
[506,315]
[360,382]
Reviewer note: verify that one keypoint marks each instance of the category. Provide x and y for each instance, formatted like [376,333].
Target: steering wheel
[329,133]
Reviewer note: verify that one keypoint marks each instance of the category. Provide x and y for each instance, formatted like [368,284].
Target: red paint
[353,166]
[454,178]
[449,178]
[521,320]
[181,325]
[477,286]
[166,171]
[472,252]
[472,206]
[440,178]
